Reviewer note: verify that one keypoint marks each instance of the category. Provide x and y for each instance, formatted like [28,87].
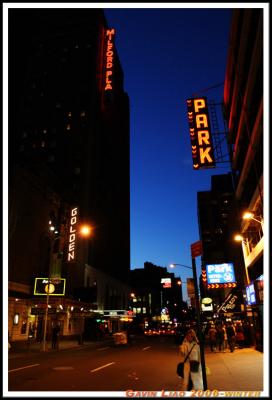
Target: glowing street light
[85,230]
[250,215]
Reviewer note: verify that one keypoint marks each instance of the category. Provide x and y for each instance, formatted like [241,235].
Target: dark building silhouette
[217,224]
[243,105]
[68,150]
[151,295]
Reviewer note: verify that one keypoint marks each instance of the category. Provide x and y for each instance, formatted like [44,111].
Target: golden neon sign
[72,234]
[109,57]
[200,133]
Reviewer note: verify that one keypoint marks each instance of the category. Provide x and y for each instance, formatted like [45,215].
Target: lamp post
[48,286]
[199,330]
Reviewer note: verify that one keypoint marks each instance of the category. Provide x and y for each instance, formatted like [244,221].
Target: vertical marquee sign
[200,133]
[72,234]
[109,59]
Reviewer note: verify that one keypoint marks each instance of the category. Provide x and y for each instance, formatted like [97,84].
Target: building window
[68,127]
[83,114]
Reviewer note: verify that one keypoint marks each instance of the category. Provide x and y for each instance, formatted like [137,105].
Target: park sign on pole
[200,133]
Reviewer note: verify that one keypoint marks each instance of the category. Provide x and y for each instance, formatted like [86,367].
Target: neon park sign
[109,57]
[220,273]
[200,133]
[72,234]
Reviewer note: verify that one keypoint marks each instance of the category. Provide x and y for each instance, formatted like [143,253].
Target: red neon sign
[109,58]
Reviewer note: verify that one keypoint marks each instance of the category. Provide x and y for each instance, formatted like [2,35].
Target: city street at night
[135,200]
[148,364]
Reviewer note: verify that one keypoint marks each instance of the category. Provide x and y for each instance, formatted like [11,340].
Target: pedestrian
[212,337]
[231,336]
[55,336]
[239,337]
[225,339]
[220,337]
[190,345]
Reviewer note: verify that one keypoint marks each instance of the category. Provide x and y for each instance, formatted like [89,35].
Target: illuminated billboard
[220,274]
[200,133]
[51,287]
[250,294]
[166,282]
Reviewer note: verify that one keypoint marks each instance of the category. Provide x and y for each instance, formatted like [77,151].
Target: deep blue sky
[167,55]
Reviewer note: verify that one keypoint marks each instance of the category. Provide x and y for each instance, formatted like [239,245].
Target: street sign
[50,287]
[196,249]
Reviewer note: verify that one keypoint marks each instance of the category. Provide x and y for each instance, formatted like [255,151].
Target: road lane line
[103,366]
[145,348]
[28,366]
[103,348]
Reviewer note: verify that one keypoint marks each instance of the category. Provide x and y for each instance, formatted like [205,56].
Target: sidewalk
[237,371]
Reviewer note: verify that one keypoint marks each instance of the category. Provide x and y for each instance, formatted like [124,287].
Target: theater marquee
[200,133]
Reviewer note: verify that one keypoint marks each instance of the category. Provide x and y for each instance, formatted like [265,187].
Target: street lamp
[199,330]
[250,215]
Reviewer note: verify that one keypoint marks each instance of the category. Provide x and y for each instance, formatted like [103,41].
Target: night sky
[167,56]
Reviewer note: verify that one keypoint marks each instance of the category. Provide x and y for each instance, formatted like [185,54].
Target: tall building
[68,157]
[243,104]
[217,219]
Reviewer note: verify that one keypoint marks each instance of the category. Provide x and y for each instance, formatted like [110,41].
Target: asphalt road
[149,364]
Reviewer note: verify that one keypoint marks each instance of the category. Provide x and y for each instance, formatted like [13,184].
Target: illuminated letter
[201,119]
[71,256]
[110,33]
[204,154]
[72,238]
[74,211]
[71,229]
[199,103]
[203,137]
[72,246]
[73,220]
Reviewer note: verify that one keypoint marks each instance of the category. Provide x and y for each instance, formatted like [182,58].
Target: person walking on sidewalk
[231,336]
[212,337]
[192,367]
[220,337]
[55,337]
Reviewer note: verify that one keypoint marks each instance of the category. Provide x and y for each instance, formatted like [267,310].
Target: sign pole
[196,250]
[199,330]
